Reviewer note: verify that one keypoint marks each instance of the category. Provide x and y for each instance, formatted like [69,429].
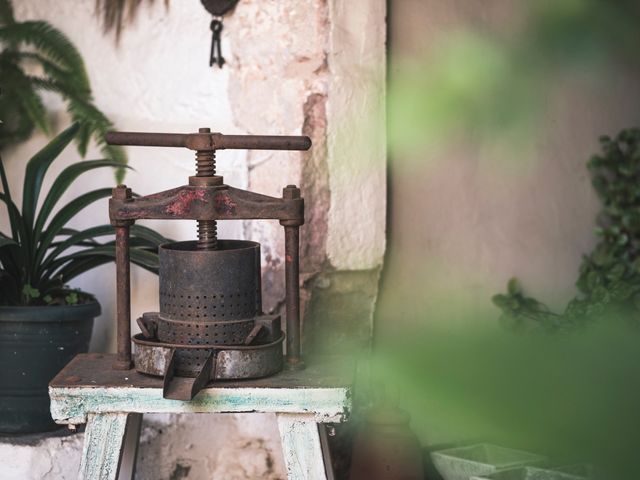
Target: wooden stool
[111,403]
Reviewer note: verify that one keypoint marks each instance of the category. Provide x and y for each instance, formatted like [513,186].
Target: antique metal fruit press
[210,325]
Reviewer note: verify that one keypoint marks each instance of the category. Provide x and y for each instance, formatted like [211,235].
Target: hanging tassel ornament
[217,8]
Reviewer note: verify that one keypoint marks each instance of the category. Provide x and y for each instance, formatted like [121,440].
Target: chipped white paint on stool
[103,439]
[88,390]
[301,447]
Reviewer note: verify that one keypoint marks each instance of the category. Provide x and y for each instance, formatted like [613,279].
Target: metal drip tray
[210,325]
[187,369]
[231,362]
[207,354]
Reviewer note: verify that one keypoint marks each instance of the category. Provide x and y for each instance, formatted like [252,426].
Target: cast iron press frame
[206,199]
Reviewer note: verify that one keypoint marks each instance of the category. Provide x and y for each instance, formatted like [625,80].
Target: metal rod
[147,139]
[209,141]
[292,281]
[123,298]
[264,142]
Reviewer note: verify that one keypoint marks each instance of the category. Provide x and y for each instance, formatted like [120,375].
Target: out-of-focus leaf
[36,169]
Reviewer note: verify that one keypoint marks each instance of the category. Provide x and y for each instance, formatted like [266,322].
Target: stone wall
[330,86]
[294,66]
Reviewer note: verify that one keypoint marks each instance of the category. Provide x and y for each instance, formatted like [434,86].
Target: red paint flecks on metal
[183,202]
[224,204]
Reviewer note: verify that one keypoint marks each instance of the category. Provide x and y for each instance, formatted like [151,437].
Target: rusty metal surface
[89,370]
[210,286]
[204,333]
[232,361]
[206,169]
[123,299]
[148,324]
[264,329]
[292,281]
[210,293]
[220,202]
[155,362]
[185,388]
[209,141]
[260,329]
[123,284]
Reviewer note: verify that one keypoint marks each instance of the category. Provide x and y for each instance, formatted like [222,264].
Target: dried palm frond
[115,14]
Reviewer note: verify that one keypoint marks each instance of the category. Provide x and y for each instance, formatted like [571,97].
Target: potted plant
[43,322]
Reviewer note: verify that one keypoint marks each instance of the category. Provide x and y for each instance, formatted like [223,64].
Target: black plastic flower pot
[35,343]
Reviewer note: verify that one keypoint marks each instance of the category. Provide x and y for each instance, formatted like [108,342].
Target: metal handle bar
[209,141]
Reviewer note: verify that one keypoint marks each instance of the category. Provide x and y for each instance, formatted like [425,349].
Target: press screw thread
[206,167]
[207,234]
[205,163]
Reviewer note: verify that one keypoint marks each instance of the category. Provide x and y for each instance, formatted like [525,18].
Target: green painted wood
[89,390]
[72,405]
[103,439]
[89,385]
[301,447]
[95,370]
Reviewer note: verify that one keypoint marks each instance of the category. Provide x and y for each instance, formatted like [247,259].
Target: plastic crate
[530,473]
[480,460]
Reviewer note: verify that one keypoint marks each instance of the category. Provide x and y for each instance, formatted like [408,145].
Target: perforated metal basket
[464,463]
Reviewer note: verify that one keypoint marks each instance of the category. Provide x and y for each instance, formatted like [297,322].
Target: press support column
[123,284]
[292,281]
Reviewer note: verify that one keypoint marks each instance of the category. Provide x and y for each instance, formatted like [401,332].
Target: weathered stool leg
[102,449]
[301,447]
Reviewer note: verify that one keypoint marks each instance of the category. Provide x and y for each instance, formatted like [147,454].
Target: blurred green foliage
[573,395]
[489,85]
[609,280]
[35,57]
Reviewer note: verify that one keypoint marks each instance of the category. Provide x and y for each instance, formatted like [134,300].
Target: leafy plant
[609,279]
[36,57]
[42,255]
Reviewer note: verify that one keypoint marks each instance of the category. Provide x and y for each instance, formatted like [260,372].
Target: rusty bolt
[121,192]
[290,192]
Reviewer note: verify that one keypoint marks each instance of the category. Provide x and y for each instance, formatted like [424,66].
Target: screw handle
[209,141]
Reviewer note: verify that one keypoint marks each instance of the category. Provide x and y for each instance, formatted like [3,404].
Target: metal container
[210,325]
[209,297]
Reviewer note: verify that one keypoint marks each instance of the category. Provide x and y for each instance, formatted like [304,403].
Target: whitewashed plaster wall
[294,66]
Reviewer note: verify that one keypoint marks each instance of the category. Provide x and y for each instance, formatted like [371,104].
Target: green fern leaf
[49,41]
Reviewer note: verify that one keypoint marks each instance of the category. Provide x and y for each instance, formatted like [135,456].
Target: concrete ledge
[41,456]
